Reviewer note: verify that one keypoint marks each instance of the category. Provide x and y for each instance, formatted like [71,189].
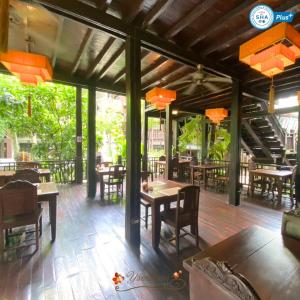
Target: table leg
[52,214]
[156,224]
[279,185]
[155,169]
[205,178]
[101,187]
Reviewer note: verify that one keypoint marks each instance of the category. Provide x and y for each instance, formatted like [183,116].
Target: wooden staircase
[262,135]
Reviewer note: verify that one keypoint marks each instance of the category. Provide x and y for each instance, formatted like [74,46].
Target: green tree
[53,117]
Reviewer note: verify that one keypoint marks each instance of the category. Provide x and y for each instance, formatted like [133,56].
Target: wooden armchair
[27,175]
[18,207]
[184,214]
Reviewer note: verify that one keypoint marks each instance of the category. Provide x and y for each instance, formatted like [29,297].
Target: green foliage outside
[53,117]
[192,134]
[220,147]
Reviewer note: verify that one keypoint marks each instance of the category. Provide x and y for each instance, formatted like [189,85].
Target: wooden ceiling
[83,49]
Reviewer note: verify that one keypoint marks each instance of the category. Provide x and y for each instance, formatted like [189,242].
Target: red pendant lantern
[216,115]
[160,98]
[30,68]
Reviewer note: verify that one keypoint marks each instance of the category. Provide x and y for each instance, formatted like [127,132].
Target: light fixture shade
[28,67]
[160,98]
[273,50]
[216,115]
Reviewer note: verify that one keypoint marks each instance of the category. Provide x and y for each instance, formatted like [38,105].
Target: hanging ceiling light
[30,68]
[160,98]
[273,50]
[216,115]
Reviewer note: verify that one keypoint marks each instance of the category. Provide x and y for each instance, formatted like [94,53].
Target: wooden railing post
[297,179]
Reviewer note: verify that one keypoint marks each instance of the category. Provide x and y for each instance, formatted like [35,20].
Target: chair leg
[37,239]
[1,244]
[41,225]
[197,234]
[177,232]
[146,217]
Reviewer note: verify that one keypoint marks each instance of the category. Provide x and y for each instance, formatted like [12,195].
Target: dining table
[269,261]
[48,192]
[5,176]
[157,193]
[278,175]
[205,168]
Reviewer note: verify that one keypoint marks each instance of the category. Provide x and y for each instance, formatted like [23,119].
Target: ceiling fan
[198,79]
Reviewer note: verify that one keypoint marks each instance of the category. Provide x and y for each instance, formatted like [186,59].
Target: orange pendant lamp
[216,115]
[273,50]
[30,68]
[160,98]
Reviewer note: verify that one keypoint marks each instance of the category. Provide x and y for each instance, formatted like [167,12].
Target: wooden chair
[161,169]
[27,175]
[259,183]
[175,166]
[289,185]
[145,176]
[185,214]
[115,179]
[222,179]
[19,207]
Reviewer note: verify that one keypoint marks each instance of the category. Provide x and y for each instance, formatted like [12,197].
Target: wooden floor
[90,247]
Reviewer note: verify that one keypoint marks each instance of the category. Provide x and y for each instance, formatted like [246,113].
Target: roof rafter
[195,13]
[111,61]
[220,22]
[59,31]
[155,65]
[98,58]
[83,47]
[158,8]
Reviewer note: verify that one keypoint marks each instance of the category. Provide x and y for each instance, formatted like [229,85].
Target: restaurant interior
[183,225]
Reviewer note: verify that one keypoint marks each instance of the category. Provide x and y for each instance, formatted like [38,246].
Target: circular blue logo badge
[261,16]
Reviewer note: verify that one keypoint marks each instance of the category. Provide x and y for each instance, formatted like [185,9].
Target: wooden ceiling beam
[98,58]
[122,73]
[204,104]
[59,31]
[190,17]
[155,65]
[238,10]
[118,28]
[181,73]
[200,96]
[135,8]
[111,61]
[278,81]
[158,77]
[82,49]
[159,8]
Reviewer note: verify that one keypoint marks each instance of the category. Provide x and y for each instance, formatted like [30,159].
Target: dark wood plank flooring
[90,247]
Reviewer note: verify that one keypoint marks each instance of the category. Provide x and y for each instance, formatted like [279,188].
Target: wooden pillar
[145,152]
[204,141]
[297,179]
[133,139]
[91,147]
[4,23]
[78,163]
[175,135]
[168,143]
[235,145]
